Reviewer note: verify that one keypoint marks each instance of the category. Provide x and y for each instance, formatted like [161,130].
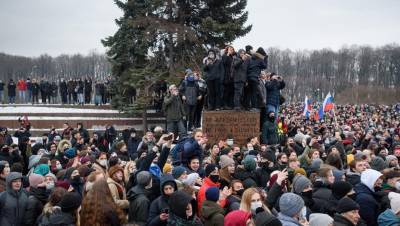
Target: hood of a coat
[210,208]
[167,178]
[178,202]
[135,192]
[388,218]
[11,177]
[369,177]
[41,193]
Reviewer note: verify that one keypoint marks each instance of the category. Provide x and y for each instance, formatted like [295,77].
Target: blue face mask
[190,78]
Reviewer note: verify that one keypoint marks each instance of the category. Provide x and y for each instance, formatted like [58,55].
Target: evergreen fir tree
[158,39]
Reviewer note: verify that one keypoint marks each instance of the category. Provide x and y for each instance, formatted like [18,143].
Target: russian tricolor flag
[328,103]
[307,107]
[326,106]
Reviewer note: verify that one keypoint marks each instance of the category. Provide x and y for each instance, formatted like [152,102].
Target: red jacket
[201,196]
[21,85]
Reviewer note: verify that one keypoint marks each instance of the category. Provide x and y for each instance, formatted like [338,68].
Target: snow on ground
[34,109]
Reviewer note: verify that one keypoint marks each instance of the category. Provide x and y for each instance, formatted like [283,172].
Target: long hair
[97,206]
[245,204]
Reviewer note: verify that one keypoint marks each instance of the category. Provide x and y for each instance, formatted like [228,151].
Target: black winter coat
[269,134]
[256,65]
[160,204]
[35,89]
[11,89]
[240,69]
[57,218]
[274,91]
[138,205]
[214,71]
[36,201]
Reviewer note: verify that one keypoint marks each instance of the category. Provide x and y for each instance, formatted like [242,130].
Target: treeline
[355,74]
[94,65]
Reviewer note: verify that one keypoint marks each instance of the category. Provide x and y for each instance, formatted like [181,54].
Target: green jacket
[173,108]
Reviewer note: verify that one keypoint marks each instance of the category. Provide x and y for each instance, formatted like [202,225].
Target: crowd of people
[343,170]
[71,91]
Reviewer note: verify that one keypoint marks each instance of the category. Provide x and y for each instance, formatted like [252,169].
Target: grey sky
[33,27]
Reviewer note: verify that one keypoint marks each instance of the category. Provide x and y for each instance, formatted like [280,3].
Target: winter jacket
[339,220]
[63,87]
[1,86]
[160,204]
[57,218]
[368,203]
[21,85]
[288,221]
[353,178]
[13,204]
[138,205]
[273,91]
[201,196]
[388,218]
[173,108]
[133,144]
[262,176]
[190,90]
[191,148]
[119,197]
[212,213]
[36,201]
[269,134]
[257,63]
[35,89]
[240,69]
[11,89]
[178,202]
[228,68]
[321,192]
[214,71]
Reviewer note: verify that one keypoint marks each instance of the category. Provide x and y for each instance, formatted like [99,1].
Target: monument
[238,124]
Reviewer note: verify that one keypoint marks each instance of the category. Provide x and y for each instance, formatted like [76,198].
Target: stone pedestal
[238,124]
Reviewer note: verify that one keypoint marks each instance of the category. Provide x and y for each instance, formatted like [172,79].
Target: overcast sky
[33,27]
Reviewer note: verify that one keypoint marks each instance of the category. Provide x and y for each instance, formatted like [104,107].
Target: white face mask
[229,142]
[397,185]
[103,162]
[255,205]
[50,186]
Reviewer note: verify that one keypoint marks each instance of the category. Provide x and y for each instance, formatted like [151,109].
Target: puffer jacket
[13,203]
[36,201]
[257,63]
[274,91]
[138,205]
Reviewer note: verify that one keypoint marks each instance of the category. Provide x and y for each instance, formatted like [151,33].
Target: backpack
[178,149]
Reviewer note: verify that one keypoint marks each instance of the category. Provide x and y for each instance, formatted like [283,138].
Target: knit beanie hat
[390,158]
[249,163]
[320,219]
[394,201]
[300,171]
[167,168]
[178,171]
[346,204]
[70,153]
[209,168]
[378,164]
[62,184]
[316,164]
[114,169]
[42,169]
[300,182]
[337,174]
[225,161]
[341,188]
[52,176]
[212,194]
[35,180]
[143,178]
[291,204]
[70,201]
[85,159]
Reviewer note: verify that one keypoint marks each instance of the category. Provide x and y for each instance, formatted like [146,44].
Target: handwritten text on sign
[240,125]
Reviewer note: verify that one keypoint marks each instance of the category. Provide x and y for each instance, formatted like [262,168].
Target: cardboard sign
[240,125]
